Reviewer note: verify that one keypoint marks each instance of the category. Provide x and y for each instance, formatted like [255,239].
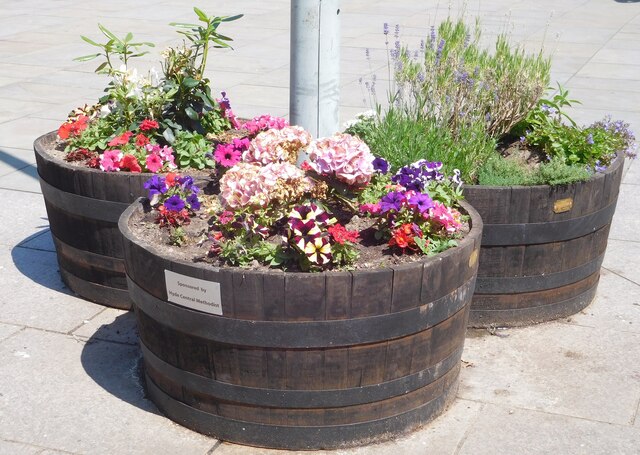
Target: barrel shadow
[35,258]
[112,358]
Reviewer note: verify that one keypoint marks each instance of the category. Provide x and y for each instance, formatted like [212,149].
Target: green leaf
[183,24]
[101,67]
[93,43]
[108,34]
[193,115]
[232,18]
[201,15]
[190,82]
[128,37]
[169,136]
[86,58]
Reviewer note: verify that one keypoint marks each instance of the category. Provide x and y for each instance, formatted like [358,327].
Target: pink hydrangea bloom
[343,156]
[277,145]
[251,185]
[446,217]
[263,123]
[110,160]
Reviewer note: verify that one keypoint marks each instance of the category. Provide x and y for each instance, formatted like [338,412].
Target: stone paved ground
[68,379]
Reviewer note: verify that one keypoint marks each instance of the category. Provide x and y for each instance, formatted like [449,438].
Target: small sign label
[473,258]
[193,293]
[563,205]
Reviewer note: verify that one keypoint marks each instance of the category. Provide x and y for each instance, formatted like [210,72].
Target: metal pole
[314,94]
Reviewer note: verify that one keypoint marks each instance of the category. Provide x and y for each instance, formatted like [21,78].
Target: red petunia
[340,234]
[147,125]
[141,140]
[404,236]
[170,179]
[123,139]
[73,128]
[130,163]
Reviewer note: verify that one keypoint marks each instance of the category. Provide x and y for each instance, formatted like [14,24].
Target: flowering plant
[175,199]
[154,122]
[325,213]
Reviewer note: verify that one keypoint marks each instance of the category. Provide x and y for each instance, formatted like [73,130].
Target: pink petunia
[227,155]
[154,162]
[110,160]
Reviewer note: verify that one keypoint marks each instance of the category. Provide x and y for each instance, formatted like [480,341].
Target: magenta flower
[110,160]
[154,162]
[226,155]
[421,201]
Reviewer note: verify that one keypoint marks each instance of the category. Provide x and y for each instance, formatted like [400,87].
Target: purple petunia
[392,201]
[175,203]
[193,201]
[421,201]
[381,165]
[156,185]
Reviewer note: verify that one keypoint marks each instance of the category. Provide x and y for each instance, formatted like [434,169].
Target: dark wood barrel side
[305,361]
[542,248]
[83,206]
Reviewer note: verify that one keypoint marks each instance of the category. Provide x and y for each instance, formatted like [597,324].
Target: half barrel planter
[542,248]
[303,360]
[83,206]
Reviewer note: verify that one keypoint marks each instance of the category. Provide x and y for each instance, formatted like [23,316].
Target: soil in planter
[372,252]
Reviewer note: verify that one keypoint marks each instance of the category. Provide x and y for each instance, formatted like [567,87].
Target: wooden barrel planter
[83,206]
[301,360]
[542,248]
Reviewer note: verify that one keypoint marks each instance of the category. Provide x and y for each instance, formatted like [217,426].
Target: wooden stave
[169,395]
[588,223]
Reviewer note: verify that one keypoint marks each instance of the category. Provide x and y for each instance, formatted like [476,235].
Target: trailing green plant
[498,171]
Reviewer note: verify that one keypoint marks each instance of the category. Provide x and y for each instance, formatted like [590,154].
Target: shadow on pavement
[16,163]
[112,358]
[35,258]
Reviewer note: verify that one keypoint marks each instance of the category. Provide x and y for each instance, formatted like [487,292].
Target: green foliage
[94,137]
[499,171]
[402,140]
[123,48]
[214,122]
[459,82]
[375,190]
[240,253]
[345,254]
[202,37]
[192,150]
[445,192]
[545,127]
[177,236]
[435,245]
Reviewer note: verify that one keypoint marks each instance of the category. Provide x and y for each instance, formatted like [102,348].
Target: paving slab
[24,179]
[6,330]
[17,448]
[37,296]
[510,430]
[111,325]
[621,259]
[442,436]
[617,302]
[21,133]
[42,241]
[96,406]
[24,215]
[567,375]
[626,222]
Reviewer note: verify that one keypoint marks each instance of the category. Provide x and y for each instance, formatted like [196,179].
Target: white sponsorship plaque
[193,293]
